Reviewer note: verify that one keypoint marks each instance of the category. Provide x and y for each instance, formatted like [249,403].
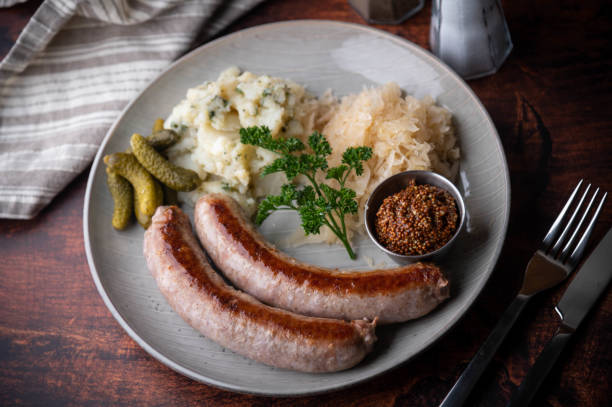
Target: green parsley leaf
[336,173]
[318,204]
[319,145]
[353,157]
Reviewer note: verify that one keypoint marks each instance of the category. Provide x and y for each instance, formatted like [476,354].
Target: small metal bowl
[398,182]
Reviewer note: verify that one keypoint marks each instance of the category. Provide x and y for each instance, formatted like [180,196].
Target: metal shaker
[470,35]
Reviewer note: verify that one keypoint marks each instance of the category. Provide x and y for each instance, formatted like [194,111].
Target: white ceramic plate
[319,55]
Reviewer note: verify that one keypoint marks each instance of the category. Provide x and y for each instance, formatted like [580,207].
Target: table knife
[589,283]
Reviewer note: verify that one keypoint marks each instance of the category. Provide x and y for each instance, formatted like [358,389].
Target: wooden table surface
[550,101]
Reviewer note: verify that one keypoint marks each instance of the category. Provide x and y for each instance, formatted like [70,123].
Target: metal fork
[550,265]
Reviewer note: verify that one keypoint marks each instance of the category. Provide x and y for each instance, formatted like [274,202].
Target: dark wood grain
[550,101]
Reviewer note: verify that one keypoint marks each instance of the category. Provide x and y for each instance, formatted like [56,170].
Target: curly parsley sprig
[318,204]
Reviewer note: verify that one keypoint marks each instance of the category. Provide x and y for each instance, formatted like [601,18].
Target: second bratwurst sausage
[252,264]
[235,319]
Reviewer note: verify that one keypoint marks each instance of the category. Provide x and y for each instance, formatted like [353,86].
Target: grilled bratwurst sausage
[235,319]
[392,295]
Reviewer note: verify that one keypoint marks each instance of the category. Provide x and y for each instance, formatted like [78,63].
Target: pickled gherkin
[158,125]
[145,190]
[141,178]
[123,198]
[162,139]
[143,219]
[177,178]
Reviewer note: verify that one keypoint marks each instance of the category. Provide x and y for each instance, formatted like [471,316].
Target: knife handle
[540,369]
[461,390]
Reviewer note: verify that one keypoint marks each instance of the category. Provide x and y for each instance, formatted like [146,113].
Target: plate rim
[176,366]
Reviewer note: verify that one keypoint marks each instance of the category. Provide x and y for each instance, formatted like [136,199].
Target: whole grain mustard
[417,220]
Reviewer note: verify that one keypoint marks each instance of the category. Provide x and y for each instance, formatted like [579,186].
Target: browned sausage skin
[392,295]
[235,319]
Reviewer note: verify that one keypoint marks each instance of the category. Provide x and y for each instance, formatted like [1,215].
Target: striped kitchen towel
[72,70]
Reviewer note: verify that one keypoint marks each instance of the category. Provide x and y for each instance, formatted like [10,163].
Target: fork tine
[568,226]
[554,229]
[558,244]
[578,252]
[570,242]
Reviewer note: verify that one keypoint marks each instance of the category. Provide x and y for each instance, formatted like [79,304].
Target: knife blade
[579,297]
[588,284]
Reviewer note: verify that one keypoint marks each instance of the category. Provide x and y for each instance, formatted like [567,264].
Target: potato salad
[210,117]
